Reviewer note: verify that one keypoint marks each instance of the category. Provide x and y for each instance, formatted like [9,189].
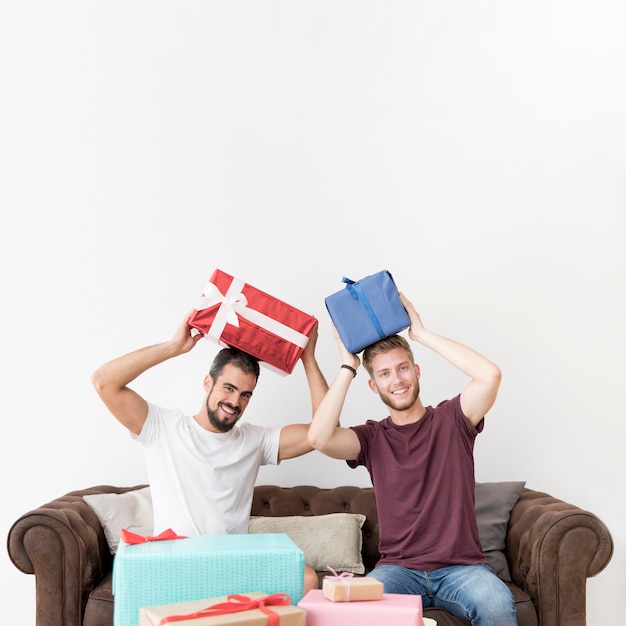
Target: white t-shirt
[201,482]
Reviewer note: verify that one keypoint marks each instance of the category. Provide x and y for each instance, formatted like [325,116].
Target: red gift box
[234,313]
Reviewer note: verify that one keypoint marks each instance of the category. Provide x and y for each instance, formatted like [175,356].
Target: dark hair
[385,345]
[244,361]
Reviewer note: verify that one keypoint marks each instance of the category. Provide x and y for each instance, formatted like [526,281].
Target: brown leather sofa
[552,547]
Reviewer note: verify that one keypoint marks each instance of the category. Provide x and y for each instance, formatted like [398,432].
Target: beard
[404,405]
[222,426]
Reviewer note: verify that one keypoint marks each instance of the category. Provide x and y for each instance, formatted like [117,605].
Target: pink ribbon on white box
[234,304]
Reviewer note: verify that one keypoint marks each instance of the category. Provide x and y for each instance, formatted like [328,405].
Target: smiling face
[395,378]
[227,397]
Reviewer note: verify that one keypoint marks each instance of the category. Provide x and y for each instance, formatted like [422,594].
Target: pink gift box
[234,313]
[394,608]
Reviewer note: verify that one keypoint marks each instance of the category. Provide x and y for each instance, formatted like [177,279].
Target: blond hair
[385,345]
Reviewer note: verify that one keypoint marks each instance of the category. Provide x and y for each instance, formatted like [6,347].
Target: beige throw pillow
[332,540]
[131,510]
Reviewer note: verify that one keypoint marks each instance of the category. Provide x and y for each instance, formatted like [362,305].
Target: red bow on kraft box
[235,604]
[234,313]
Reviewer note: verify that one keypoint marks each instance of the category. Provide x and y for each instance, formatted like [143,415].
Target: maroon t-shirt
[423,478]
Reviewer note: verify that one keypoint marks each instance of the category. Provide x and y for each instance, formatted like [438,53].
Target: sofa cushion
[333,540]
[99,609]
[494,502]
[131,510]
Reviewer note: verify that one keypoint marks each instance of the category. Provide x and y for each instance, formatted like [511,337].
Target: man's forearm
[326,418]
[316,382]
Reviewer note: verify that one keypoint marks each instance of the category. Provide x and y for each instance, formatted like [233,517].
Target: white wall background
[476,150]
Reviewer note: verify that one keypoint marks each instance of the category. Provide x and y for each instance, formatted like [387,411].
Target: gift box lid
[288,615]
[216,546]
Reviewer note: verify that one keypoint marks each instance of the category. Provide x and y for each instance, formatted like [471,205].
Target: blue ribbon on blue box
[367,310]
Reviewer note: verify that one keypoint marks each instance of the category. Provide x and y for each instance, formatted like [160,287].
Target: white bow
[234,304]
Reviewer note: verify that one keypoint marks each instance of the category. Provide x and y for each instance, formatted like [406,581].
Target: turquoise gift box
[194,568]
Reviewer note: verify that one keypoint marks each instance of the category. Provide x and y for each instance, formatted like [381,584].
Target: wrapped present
[367,310]
[165,572]
[251,609]
[234,313]
[345,587]
[393,608]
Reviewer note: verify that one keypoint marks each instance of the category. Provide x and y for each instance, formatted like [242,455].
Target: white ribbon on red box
[233,304]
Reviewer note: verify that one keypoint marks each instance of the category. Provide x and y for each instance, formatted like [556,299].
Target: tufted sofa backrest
[275,501]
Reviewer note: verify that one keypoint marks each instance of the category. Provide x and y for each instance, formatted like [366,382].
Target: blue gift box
[165,572]
[367,310]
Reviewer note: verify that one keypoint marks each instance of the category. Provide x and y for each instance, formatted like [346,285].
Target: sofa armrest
[552,548]
[63,544]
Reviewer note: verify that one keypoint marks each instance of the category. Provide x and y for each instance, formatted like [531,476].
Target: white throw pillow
[332,540]
[131,510]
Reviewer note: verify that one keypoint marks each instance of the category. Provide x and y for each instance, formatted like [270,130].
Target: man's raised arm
[480,393]
[325,434]
[111,380]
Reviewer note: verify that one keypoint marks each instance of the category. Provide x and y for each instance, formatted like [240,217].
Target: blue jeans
[471,592]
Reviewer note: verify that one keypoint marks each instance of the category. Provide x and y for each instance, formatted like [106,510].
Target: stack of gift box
[343,601]
[214,581]
[252,609]
[163,570]
[315,609]
[347,600]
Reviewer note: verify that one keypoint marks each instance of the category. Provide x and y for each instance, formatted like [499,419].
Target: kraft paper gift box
[396,609]
[233,313]
[348,588]
[193,568]
[217,612]
[367,310]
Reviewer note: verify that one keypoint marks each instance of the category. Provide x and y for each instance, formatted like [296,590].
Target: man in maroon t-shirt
[421,463]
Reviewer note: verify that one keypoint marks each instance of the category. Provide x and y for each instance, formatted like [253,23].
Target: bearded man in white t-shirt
[202,468]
